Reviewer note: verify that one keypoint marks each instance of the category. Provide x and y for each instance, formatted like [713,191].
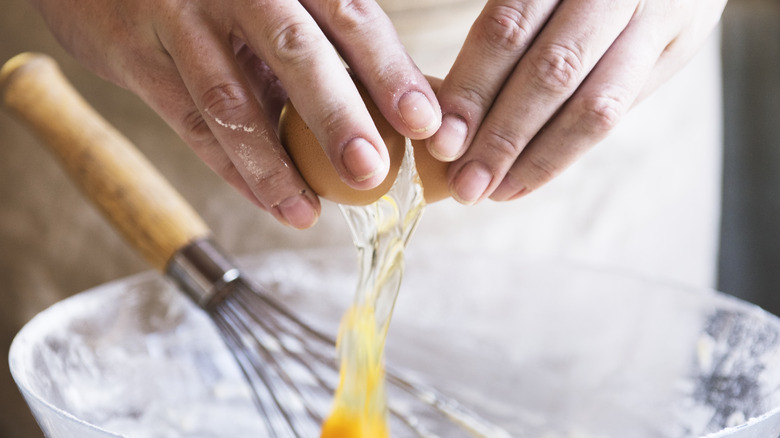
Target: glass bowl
[545,349]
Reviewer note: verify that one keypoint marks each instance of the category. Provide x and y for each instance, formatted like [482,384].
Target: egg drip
[380,232]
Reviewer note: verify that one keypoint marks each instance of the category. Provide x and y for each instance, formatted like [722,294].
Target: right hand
[219,71]
[539,83]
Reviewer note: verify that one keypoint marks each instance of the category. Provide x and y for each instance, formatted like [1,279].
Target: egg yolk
[380,232]
[359,406]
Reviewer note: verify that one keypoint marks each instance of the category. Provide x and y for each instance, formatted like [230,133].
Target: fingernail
[362,160]
[471,182]
[447,144]
[417,112]
[509,189]
[298,211]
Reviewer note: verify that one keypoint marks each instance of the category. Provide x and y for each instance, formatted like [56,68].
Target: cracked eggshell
[310,159]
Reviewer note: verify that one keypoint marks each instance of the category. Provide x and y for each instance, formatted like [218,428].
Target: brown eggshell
[319,173]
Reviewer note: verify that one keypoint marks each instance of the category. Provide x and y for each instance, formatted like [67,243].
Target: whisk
[290,366]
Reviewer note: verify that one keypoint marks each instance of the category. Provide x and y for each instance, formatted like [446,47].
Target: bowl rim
[250,262]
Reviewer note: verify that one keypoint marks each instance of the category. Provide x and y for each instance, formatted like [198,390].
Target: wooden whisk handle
[108,168]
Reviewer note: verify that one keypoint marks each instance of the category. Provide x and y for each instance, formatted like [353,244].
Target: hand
[538,83]
[219,71]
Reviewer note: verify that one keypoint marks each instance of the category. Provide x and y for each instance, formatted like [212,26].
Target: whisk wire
[260,393]
[291,366]
[271,372]
[294,341]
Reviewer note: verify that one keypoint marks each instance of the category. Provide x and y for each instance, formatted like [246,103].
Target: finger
[366,38]
[576,37]
[683,46]
[267,89]
[591,113]
[228,117]
[499,37]
[157,82]
[288,39]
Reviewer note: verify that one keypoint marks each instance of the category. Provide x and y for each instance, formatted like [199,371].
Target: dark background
[749,263]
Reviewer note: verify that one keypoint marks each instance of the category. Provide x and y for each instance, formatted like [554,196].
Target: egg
[360,402]
[310,159]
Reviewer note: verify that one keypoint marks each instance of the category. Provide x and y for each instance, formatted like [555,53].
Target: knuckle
[292,43]
[500,145]
[506,28]
[349,14]
[557,69]
[473,92]
[270,179]
[334,120]
[227,102]
[201,140]
[196,130]
[600,114]
[541,168]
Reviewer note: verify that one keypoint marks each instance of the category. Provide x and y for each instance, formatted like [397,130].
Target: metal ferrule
[203,271]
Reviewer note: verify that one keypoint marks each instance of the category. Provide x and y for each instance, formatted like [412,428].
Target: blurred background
[749,264]
[33,190]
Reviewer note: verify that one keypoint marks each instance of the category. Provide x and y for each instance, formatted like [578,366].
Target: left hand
[539,82]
